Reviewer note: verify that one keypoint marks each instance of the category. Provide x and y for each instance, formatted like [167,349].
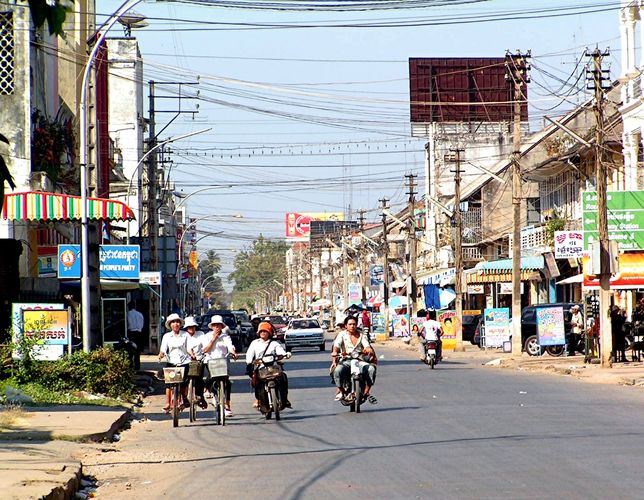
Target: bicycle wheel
[222,402]
[175,406]
[358,392]
[275,402]
[192,399]
[215,400]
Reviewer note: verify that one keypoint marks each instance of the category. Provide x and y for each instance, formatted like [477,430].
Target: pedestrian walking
[576,329]
[135,325]
[619,337]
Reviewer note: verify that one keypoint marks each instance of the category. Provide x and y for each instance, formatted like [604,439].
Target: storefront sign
[152,278]
[476,289]
[116,261]
[625,218]
[550,326]
[506,288]
[449,323]
[497,326]
[569,244]
[48,324]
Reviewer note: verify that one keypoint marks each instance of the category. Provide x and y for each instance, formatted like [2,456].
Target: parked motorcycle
[269,372]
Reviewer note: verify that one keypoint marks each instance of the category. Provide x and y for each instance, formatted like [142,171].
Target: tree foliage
[52,12]
[256,268]
[213,288]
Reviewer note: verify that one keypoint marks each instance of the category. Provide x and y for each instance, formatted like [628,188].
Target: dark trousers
[282,387]
[571,343]
[137,338]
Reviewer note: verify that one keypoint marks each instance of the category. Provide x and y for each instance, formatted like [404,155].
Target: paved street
[460,431]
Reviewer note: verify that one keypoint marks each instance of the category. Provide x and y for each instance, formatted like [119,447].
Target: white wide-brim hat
[190,321]
[171,318]
[216,320]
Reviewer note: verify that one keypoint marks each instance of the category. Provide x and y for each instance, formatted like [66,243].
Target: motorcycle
[353,387]
[269,372]
[431,356]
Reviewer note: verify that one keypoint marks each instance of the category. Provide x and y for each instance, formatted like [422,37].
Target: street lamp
[148,153]
[84,167]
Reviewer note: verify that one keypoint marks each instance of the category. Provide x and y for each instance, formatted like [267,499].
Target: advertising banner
[400,323]
[506,288]
[47,256]
[569,244]
[48,323]
[629,277]
[449,322]
[625,218]
[378,326]
[376,275]
[497,326]
[355,294]
[416,326]
[152,278]
[298,225]
[550,326]
[116,261]
[478,289]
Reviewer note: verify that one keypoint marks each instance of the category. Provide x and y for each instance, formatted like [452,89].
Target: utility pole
[385,263]
[345,272]
[458,249]
[517,74]
[153,219]
[331,292]
[362,260]
[411,269]
[605,335]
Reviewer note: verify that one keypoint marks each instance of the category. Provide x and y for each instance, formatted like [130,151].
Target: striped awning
[35,205]
[500,271]
[501,277]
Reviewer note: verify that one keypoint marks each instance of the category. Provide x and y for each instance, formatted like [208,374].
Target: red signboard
[630,275]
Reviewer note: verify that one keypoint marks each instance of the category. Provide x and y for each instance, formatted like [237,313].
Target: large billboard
[461,89]
[298,225]
[625,218]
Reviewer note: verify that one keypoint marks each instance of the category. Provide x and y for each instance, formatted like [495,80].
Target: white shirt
[174,347]
[134,320]
[194,343]
[222,346]
[430,330]
[258,346]
[344,343]
[577,321]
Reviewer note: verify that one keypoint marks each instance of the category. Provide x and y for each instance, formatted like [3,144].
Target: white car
[304,332]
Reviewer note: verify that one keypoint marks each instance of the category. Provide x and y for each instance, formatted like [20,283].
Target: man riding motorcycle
[347,341]
[431,330]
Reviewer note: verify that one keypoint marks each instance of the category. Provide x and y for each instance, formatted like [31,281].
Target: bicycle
[216,383]
[195,369]
[174,377]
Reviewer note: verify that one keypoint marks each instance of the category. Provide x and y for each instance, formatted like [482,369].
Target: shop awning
[436,276]
[35,205]
[578,278]
[500,271]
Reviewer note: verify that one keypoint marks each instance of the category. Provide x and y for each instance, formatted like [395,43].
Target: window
[534,210]
[6,54]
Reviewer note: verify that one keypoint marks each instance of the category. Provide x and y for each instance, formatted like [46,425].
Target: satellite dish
[132,20]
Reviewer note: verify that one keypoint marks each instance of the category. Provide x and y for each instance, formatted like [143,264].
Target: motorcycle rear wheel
[176,408]
[358,393]
[275,402]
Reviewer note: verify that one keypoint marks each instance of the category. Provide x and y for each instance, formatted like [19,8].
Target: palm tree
[4,173]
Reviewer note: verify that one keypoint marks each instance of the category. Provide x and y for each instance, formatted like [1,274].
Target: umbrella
[354,307]
[446,295]
[321,303]
[398,301]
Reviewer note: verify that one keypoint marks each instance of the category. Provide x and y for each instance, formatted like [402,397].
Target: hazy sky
[311,118]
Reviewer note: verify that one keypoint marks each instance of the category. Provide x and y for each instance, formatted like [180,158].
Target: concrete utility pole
[413,247]
[458,248]
[385,263]
[605,327]
[517,70]
[362,260]
[331,278]
[153,218]
[345,272]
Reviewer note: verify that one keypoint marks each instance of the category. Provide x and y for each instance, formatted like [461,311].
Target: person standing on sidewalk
[576,329]
[135,323]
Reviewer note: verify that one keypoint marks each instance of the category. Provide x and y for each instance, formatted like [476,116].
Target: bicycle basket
[173,375]
[218,367]
[194,369]
[269,372]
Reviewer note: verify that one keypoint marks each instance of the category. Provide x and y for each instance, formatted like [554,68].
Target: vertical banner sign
[377,325]
[355,294]
[550,326]
[48,325]
[416,326]
[449,322]
[497,326]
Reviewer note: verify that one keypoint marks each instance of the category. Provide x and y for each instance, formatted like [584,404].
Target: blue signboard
[69,261]
[116,261]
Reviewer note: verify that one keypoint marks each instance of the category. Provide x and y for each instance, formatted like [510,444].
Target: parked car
[279,323]
[529,338]
[232,325]
[304,332]
[247,330]
[470,322]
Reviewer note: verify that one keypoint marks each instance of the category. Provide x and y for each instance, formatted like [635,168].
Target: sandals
[338,396]
[256,404]
[167,409]
[372,399]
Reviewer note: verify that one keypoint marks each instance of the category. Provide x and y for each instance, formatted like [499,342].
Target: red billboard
[298,225]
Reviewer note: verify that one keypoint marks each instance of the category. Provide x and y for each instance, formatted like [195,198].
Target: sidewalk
[631,373]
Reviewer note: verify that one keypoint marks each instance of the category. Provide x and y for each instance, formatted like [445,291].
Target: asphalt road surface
[459,431]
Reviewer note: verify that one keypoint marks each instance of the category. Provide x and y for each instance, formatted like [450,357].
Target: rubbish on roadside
[494,362]
[116,437]
[523,392]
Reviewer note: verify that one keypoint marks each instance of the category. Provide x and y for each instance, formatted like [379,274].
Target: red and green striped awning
[53,206]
